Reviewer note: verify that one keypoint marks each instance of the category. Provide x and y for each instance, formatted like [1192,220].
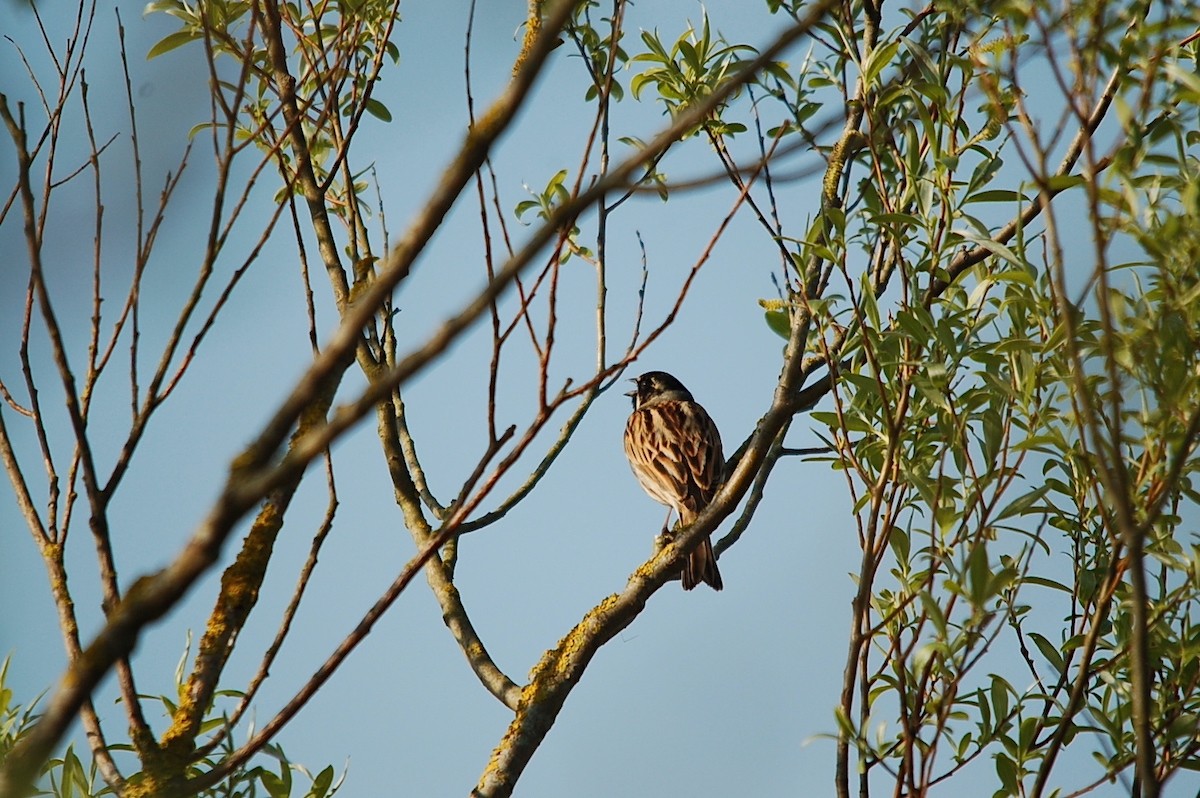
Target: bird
[674,449]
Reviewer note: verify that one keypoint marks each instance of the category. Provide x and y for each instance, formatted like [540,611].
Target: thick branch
[562,667]
[151,596]
[238,594]
[437,571]
[252,476]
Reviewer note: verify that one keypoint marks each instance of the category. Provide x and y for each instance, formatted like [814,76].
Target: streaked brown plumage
[675,451]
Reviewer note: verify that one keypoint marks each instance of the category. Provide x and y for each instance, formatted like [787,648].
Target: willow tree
[990,317]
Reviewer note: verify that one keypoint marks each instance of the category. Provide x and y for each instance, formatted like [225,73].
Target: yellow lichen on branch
[533,26]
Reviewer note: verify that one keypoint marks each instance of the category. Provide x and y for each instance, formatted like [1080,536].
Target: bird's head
[657,385]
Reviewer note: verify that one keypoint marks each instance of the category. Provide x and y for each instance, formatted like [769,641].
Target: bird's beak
[632,393]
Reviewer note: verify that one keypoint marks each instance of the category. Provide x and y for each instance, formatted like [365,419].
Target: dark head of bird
[656,384]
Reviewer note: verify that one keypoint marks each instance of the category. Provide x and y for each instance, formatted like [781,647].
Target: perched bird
[675,451]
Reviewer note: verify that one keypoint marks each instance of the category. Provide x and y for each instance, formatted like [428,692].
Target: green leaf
[1049,651]
[985,713]
[197,128]
[638,82]
[1043,582]
[999,690]
[211,724]
[171,41]
[321,784]
[997,195]
[934,612]
[1006,769]
[163,6]
[826,417]
[275,786]
[779,322]
[978,574]
[526,206]
[1064,182]
[1028,732]
[995,247]
[899,542]
[922,56]
[1021,505]
[378,110]
[72,774]
[880,57]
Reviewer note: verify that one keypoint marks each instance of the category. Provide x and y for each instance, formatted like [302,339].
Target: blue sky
[705,694]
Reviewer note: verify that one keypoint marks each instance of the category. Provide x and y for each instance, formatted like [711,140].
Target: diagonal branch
[562,667]
[253,475]
[240,585]
[152,596]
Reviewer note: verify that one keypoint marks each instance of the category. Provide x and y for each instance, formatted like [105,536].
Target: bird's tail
[701,566]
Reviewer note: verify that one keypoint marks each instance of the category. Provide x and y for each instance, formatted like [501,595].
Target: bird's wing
[703,452]
[676,454]
[656,457]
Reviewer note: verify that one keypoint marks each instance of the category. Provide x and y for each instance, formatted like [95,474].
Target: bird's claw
[663,539]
